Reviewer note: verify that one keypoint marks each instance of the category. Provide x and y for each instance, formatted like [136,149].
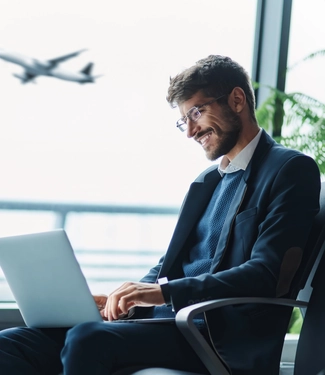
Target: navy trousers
[95,349]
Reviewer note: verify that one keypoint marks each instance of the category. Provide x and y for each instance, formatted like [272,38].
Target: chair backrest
[310,355]
[312,253]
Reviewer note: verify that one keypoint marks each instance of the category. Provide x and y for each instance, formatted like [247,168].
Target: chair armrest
[212,359]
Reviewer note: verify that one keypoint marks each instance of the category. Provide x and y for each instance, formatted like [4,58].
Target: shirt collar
[242,159]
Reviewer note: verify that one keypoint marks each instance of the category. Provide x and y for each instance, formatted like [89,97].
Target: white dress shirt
[241,160]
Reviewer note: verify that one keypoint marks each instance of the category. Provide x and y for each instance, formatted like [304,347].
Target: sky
[114,141]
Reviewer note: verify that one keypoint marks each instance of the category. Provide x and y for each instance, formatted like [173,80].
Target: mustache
[218,131]
[203,133]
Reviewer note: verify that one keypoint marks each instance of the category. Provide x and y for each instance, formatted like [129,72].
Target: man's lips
[204,139]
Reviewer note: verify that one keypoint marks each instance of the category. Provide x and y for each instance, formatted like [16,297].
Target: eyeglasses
[193,114]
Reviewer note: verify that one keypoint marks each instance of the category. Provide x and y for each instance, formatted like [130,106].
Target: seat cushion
[159,371]
[153,371]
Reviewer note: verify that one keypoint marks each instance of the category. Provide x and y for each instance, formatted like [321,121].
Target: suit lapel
[265,143]
[197,199]
[262,148]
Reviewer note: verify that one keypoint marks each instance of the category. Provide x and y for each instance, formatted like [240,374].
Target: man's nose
[192,128]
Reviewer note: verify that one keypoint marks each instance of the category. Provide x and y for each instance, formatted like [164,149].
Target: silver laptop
[46,280]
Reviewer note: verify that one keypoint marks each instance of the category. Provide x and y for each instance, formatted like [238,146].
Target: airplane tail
[87,69]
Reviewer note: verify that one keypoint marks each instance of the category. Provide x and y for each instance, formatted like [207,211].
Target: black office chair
[310,355]
[309,285]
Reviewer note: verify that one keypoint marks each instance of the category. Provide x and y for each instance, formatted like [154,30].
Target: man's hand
[100,301]
[126,296]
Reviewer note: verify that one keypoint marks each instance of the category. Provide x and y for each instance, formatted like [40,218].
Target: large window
[114,141]
[306,37]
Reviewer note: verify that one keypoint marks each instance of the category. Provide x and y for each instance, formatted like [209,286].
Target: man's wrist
[164,286]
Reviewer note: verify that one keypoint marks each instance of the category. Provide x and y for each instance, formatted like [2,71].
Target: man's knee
[12,336]
[85,337]
[9,332]
[7,337]
[90,346]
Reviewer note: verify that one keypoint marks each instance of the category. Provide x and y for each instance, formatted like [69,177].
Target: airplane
[34,68]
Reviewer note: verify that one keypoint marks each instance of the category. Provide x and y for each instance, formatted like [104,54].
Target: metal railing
[63,209]
[105,266]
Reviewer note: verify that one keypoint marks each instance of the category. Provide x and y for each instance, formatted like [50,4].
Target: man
[241,232]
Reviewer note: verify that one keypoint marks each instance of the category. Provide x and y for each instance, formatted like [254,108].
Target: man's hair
[215,76]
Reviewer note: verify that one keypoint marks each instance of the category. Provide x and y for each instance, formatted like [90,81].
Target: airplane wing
[58,60]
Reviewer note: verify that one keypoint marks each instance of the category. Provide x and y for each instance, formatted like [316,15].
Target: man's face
[218,128]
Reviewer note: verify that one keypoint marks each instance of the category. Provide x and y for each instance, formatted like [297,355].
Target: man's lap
[115,345]
[29,351]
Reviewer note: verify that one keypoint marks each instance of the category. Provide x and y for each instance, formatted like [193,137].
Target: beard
[226,139]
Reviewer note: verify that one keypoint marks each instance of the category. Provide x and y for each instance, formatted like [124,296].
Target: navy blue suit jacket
[258,253]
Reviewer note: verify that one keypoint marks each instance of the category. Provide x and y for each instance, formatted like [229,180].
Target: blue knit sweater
[204,239]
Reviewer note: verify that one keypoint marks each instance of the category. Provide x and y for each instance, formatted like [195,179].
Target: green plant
[296,120]
[296,321]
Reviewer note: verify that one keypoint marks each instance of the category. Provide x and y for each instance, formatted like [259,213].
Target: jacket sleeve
[152,275]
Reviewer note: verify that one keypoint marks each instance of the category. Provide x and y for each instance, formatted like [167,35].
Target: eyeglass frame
[183,120]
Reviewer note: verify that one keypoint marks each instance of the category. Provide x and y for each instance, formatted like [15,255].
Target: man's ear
[237,99]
